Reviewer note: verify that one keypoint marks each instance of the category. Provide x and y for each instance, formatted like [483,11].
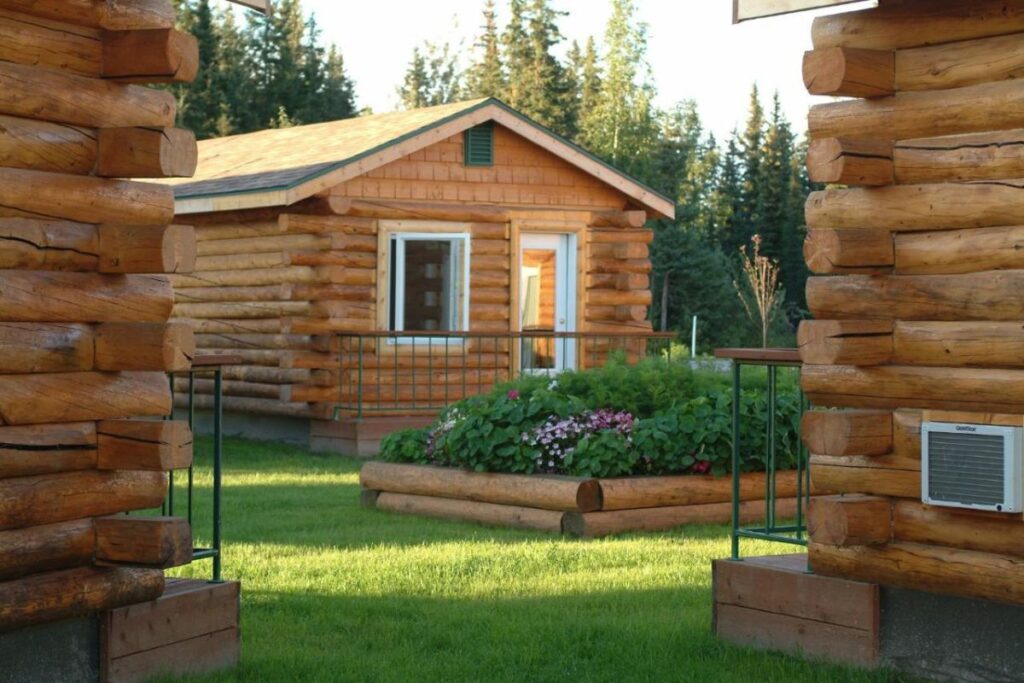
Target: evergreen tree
[546,96]
[199,102]
[433,77]
[747,219]
[486,78]
[338,99]
[621,126]
[235,78]
[516,51]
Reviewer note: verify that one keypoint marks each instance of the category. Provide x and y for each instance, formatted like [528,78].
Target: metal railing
[384,372]
[203,365]
[773,529]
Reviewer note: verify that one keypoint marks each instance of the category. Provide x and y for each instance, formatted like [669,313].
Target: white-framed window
[428,282]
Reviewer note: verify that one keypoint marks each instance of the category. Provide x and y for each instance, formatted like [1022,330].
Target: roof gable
[283,166]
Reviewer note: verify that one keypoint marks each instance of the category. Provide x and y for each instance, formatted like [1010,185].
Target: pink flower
[701,467]
[513,394]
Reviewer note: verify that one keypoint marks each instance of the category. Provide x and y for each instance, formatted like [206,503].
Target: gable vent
[479,145]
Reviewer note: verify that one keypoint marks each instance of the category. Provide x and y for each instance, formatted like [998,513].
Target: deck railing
[780,531]
[411,372]
[203,365]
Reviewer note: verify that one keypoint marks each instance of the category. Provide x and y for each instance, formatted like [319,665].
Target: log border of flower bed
[577,506]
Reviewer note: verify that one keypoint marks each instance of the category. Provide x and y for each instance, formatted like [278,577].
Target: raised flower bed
[578,506]
[590,453]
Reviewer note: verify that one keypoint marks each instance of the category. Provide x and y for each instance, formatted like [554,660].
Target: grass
[335,592]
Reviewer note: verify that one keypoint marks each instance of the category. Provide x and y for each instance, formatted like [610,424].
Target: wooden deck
[773,603]
[192,628]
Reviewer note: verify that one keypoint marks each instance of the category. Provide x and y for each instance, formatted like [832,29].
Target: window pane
[434,285]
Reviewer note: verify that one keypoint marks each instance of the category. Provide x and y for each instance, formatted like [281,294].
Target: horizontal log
[849,251]
[238,310]
[267,375]
[242,262]
[909,24]
[398,210]
[598,524]
[48,44]
[620,281]
[849,72]
[258,406]
[301,342]
[246,356]
[147,445]
[959,64]
[261,245]
[847,432]
[622,250]
[616,265]
[147,248]
[991,295]
[45,347]
[477,247]
[47,449]
[44,146]
[27,296]
[851,162]
[265,326]
[947,206]
[309,394]
[53,596]
[351,225]
[618,219]
[471,511]
[620,235]
[45,499]
[973,109]
[845,342]
[959,251]
[552,493]
[629,493]
[77,396]
[959,344]
[366,310]
[113,15]
[156,55]
[47,196]
[855,476]
[29,244]
[146,153]
[248,278]
[167,347]
[231,388]
[850,520]
[995,532]
[966,573]
[38,93]
[623,313]
[350,259]
[617,297]
[46,548]
[143,541]
[959,158]
[983,390]
[227,230]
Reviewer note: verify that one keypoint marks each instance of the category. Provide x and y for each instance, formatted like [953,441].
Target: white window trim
[397,240]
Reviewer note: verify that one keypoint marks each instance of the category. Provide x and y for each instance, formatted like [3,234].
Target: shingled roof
[281,166]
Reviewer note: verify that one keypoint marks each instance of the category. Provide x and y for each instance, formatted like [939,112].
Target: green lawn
[335,592]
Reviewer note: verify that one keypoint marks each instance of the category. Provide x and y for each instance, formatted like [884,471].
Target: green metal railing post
[217,470]
[735,459]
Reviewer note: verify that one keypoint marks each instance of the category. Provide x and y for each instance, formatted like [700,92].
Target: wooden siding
[523,174]
[916,296]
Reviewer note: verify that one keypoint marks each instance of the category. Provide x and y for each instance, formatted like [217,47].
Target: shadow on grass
[642,635]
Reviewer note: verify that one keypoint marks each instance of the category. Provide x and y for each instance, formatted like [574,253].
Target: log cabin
[376,269]
[85,303]
[915,355]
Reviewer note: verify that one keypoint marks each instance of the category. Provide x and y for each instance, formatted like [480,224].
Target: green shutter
[479,145]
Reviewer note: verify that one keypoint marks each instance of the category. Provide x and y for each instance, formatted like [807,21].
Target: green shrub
[671,419]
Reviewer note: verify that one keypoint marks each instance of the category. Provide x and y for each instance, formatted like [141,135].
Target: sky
[695,51]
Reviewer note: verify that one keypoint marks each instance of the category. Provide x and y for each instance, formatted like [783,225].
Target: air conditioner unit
[972,466]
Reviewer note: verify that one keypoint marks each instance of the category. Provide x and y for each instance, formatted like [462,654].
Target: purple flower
[513,394]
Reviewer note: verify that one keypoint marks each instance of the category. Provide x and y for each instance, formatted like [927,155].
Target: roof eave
[745,10]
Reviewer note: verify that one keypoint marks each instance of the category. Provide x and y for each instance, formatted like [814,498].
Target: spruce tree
[338,100]
[486,78]
[235,113]
[433,77]
[515,46]
[199,102]
[621,125]
[546,96]
[414,91]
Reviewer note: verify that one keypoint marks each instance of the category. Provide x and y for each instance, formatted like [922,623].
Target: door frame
[578,230]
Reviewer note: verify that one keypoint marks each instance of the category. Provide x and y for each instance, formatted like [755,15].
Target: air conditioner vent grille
[966,468]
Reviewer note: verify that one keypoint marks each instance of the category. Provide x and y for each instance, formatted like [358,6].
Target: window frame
[393,239]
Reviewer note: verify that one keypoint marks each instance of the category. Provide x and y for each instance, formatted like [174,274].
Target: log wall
[84,304]
[274,285]
[916,300]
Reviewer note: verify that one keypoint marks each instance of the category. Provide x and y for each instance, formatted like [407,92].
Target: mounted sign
[742,10]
